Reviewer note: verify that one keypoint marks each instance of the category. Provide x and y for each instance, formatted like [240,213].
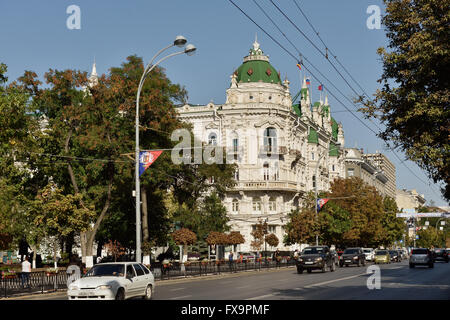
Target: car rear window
[381,253]
[420,251]
[351,251]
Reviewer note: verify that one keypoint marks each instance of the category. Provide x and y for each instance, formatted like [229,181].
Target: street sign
[423,214]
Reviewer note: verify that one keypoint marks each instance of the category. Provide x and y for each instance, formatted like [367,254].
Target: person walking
[26,270]
[230,261]
[277,257]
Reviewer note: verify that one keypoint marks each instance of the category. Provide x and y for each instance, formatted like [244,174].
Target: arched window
[266,171]
[270,139]
[272,204]
[235,205]
[212,139]
[256,204]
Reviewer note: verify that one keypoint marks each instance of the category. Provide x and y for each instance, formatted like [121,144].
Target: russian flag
[308,81]
[321,203]
[146,158]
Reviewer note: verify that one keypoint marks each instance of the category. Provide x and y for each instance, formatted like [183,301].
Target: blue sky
[34,36]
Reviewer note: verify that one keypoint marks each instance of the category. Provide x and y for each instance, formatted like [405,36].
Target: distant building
[409,199]
[357,166]
[382,162]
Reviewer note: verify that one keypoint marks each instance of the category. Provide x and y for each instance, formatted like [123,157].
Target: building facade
[282,148]
[384,164]
[356,165]
[409,199]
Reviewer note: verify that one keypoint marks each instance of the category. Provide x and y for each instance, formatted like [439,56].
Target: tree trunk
[145,235]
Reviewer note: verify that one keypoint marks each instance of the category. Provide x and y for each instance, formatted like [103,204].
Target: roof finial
[256,44]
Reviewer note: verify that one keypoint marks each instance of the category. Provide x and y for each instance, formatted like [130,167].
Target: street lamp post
[180,41]
[316,193]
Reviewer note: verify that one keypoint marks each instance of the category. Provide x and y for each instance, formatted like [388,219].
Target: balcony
[269,185]
[271,149]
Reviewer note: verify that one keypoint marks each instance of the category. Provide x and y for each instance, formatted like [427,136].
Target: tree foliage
[272,240]
[301,225]
[258,234]
[184,236]
[414,102]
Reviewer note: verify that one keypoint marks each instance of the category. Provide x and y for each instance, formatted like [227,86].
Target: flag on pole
[320,87]
[146,158]
[299,66]
[308,81]
[320,203]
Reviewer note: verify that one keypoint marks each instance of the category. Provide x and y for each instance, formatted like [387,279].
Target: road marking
[331,281]
[182,297]
[176,289]
[261,297]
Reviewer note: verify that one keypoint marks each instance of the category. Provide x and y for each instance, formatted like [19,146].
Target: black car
[353,256]
[441,254]
[317,257]
[395,256]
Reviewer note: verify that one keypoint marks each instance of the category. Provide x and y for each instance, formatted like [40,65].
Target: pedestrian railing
[166,271]
[34,281]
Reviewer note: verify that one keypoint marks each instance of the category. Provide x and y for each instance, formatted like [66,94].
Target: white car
[369,253]
[113,281]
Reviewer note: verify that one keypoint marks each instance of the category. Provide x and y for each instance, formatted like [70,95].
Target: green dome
[257,71]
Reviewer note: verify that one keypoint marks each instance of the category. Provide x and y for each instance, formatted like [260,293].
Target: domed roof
[256,68]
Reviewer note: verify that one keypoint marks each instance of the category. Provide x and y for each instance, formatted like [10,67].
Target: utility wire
[331,93]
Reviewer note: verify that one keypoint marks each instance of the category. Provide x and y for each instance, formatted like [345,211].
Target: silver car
[421,256]
[113,281]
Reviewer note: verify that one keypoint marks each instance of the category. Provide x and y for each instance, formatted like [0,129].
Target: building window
[272,204]
[266,171]
[212,139]
[235,205]
[312,155]
[276,174]
[272,229]
[256,204]
[350,172]
[332,168]
[270,139]
[313,181]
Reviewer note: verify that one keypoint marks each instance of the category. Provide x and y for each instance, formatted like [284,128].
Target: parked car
[352,256]
[369,253]
[421,256]
[441,254]
[382,256]
[395,257]
[113,281]
[316,257]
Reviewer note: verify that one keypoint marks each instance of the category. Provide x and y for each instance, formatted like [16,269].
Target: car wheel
[431,265]
[359,263]
[324,268]
[120,295]
[309,270]
[411,265]
[299,270]
[148,293]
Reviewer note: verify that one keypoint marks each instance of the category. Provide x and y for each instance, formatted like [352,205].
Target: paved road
[397,282]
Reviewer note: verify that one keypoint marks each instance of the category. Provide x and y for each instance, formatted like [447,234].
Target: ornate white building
[275,142]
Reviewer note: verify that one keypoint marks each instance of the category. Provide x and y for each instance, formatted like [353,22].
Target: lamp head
[190,49]
[180,41]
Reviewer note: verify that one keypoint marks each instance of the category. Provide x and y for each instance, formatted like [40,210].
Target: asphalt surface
[397,280]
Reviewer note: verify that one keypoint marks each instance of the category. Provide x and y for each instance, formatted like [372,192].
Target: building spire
[93,78]
[256,44]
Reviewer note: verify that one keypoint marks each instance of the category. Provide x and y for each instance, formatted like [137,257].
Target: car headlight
[355,257]
[300,259]
[319,259]
[74,287]
[104,287]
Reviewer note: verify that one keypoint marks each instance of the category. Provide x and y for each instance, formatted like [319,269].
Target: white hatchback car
[113,281]
[369,253]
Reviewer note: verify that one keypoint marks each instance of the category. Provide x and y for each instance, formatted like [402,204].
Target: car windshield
[392,252]
[350,251]
[420,251]
[367,250]
[313,250]
[381,253]
[106,270]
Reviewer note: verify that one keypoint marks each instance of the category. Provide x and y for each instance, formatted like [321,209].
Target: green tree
[334,222]
[393,227]
[301,226]
[414,102]
[429,237]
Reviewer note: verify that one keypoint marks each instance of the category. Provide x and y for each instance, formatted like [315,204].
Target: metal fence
[35,282]
[176,270]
